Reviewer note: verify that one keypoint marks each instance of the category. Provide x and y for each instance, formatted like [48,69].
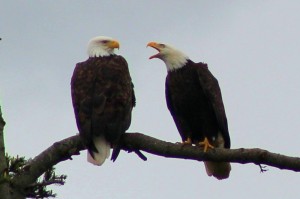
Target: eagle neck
[96,51]
[101,57]
[183,64]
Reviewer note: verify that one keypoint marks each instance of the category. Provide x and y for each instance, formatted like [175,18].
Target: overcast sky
[252,47]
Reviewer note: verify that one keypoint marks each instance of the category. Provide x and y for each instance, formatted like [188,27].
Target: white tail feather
[219,170]
[103,148]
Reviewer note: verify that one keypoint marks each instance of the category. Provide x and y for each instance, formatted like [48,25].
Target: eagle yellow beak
[114,44]
[156,46]
[153,45]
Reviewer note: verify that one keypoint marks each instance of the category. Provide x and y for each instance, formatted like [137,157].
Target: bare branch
[242,156]
[59,151]
[4,188]
[63,150]
[3,164]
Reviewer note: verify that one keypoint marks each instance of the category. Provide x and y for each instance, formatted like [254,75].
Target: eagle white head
[102,46]
[172,57]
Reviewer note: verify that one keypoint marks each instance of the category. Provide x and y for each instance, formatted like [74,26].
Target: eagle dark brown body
[195,102]
[194,99]
[103,98]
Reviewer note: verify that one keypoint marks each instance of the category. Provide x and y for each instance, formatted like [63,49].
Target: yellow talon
[187,142]
[205,143]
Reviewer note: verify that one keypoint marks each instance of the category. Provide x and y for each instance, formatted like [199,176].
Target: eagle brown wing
[180,121]
[212,91]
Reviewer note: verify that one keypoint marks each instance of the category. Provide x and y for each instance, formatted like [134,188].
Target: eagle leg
[205,144]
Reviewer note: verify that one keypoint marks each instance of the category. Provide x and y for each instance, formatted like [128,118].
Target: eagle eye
[104,41]
[162,45]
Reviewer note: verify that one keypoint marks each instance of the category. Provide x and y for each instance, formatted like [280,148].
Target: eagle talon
[206,145]
[187,142]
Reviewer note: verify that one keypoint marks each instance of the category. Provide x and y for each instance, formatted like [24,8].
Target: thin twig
[46,183]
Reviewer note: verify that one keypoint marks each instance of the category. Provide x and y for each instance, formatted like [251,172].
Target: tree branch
[242,156]
[65,149]
[59,151]
[4,187]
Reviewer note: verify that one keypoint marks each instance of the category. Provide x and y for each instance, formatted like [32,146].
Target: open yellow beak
[155,46]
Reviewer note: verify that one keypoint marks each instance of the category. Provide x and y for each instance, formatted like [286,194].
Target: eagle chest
[186,93]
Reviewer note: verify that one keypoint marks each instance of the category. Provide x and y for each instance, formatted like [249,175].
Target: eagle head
[102,46]
[172,57]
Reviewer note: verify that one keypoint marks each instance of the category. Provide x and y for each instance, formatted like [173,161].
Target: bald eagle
[195,102]
[103,98]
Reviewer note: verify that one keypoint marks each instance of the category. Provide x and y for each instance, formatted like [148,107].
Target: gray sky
[252,47]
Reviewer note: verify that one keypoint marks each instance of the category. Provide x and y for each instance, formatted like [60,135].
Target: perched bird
[103,98]
[194,100]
